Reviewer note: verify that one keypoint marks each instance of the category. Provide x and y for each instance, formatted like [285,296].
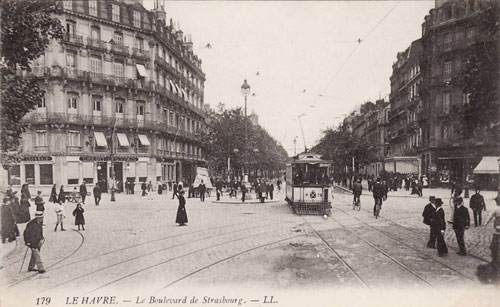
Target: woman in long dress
[23,214]
[181,210]
[62,195]
[53,194]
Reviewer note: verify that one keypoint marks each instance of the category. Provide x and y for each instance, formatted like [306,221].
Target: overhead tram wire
[356,48]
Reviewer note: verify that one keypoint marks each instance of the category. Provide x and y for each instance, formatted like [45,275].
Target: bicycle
[378,206]
[356,203]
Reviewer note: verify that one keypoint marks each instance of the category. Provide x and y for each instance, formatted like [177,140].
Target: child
[60,216]
[79,218]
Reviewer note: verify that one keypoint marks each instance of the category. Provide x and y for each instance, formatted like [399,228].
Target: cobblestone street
[134,244]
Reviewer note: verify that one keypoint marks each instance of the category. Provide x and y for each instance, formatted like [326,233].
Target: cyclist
[378,193]
[357,190]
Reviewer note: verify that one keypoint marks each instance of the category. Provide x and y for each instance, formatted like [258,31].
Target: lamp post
[245,91]
[112,171]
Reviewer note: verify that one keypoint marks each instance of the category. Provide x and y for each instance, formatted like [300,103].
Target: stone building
[123,101]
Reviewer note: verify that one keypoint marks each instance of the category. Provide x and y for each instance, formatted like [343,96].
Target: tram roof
[309,157]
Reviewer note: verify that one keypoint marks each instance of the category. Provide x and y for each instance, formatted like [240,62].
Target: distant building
[254,118]
[123,99]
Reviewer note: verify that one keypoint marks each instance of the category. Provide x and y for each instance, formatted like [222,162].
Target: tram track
[195,252]
[158,251]
[419,233]
[406,245]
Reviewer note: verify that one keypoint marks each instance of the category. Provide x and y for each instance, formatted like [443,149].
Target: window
[95,65]
[93,7]
[70,61]
[140,108]
[119,103]
[466,98]
[95,33]
[137,19]
[74,138]
[444,132]
[29,173]
[470,35]
[119,70]
[118,38]
[115,12]
[96,103]
[446,102]
[14,175]
[171,118]
[447,70]
[70,27]
[46,174]
[140,44]
[41,138]
[72,101]
[68,4]
[41,103]
[447,40]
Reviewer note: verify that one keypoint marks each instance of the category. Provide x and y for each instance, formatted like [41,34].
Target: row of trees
[27,29]
[226,139]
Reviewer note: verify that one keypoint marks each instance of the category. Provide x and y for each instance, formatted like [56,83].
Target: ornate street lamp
[245,91]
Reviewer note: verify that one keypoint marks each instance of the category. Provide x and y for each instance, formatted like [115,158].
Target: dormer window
[115,13]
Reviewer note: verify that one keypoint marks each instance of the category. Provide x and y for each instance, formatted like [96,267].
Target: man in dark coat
[429,210]
[33,238]
[243,192]
[9,227]
[218,188]
[127,187]
[39,203]
[461,222]
[477,205]
[97,194]
[270,189]
[62,195]
[181,218]
[378,193]
[144,187]
[438,225]
[132,187]
[83,191]
[202,189]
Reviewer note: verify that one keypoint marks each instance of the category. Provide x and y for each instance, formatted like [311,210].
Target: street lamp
[245,91]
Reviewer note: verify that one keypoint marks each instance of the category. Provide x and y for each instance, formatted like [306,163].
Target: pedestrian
[461,222]
[97,194]
[26,191]
[160,188]
[175,193]
[495,241]
[9,227]
[150,191]
[170,185]
[385,189]
[83,191]
[59,210]
[62,196]
[477,205]
[270,189]
[263,191]
[378,193]
[181,218]
[357,190]
[79,218]
[218,188]
[420,189]
[39,203]
[132,187]
[33,238]
[243,192]
[438,225]
[53,194]
[278,183]
[202,189]
[429,211]
[23,211]
[127,187]
[144,187]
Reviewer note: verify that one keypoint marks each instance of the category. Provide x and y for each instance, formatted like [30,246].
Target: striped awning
[144,140]
[100,139]
[123,140]
[488,166]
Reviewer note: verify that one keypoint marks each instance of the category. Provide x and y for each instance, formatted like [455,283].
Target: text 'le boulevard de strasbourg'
[286,153]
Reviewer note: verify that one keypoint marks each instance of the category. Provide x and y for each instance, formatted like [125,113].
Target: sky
[299,57]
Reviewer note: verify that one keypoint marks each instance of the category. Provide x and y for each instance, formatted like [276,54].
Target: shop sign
[37,158]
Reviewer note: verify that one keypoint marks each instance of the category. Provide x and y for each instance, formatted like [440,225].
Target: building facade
[451,34]
[123,101]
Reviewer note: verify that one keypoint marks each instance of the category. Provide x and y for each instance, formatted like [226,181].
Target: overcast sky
[301,50]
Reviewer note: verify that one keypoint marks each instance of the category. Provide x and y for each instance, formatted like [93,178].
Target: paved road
[134,245]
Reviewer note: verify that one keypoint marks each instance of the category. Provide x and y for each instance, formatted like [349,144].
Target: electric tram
[308,185]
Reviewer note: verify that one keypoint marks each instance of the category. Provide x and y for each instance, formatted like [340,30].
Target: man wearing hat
[33,238]
[438,226]
[83,191]
[461,222]
[429,210]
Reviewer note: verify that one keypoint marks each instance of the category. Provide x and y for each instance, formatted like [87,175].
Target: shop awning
[172,85]
[123,140]
[141,70]
[184,92]
[488,165]
[178,88]
[100,139]
[144,140]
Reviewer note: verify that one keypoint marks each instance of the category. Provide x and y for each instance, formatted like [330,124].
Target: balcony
[96,43]
[73,39]
[75,74]
[140,53]
[119,48]
[101,78]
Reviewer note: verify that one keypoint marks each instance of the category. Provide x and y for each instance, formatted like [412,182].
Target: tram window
[309,174]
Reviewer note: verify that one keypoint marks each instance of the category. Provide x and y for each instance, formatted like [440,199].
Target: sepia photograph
[250,153]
